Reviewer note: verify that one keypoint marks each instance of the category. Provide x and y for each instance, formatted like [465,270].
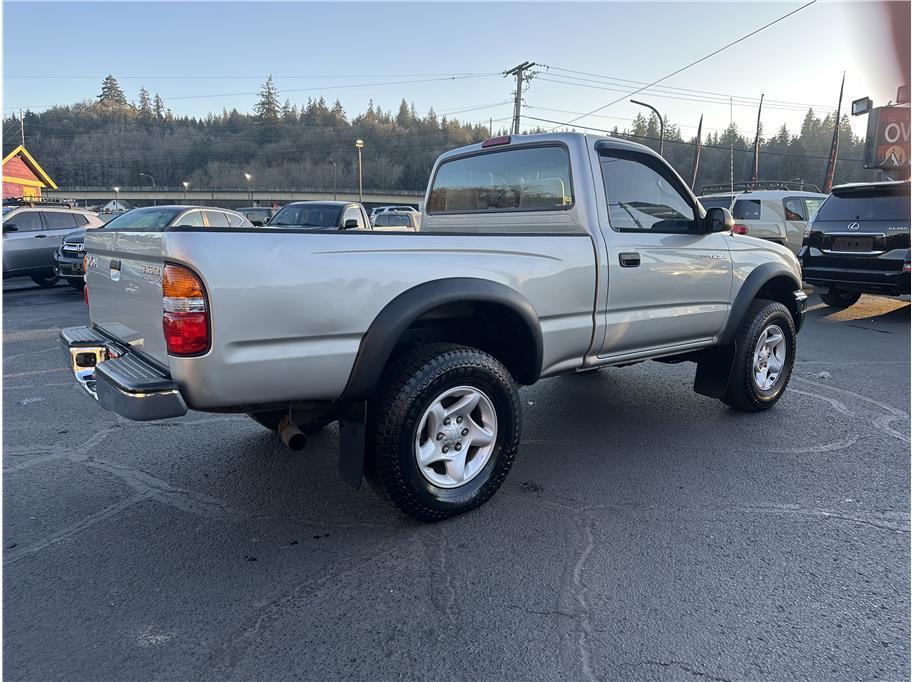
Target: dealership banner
[887,144]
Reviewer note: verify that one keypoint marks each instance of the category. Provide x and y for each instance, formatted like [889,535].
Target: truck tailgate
[124,277]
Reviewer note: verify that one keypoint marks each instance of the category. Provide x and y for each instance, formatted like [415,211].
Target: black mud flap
[352,441]
[714,370]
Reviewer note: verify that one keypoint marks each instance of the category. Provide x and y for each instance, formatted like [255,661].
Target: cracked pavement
[645,532]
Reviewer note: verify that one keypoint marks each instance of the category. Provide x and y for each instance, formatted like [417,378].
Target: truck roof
[569,139]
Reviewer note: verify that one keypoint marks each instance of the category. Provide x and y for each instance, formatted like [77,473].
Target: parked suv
[397,221]
[31,235]
[859,243]
[777,215]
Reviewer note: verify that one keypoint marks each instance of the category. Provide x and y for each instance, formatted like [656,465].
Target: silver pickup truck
[537,255]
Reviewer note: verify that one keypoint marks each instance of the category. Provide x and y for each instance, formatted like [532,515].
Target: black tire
[45,280]
[77,284]
[836,298]
[743,393]
[409,386]
[270,420]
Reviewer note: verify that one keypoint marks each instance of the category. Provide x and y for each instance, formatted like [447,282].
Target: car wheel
[836,298]
[45,280]
[764,357]
[77,284]
[270,420]
[443,432]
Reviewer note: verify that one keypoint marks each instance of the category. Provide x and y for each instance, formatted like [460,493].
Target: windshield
[865,207]
[307,215]
[145,218]
[7,209]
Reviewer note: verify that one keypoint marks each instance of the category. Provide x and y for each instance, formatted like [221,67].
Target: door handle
[630,259]
[40,236]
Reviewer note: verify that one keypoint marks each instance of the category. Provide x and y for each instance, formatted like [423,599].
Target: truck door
[668,284]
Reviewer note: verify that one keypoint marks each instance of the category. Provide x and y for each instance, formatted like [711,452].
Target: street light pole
[334,179]
[186,185]
[360,145]
[146,175]
[116,202]
[248,177]
[661,124]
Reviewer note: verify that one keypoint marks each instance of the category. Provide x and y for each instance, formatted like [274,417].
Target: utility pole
[22,127]
[360,145]
[518,71]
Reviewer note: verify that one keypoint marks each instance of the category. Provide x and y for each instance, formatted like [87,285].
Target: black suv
[859,243]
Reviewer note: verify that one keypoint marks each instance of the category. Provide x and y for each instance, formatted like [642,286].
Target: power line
[725,95]
[701,59]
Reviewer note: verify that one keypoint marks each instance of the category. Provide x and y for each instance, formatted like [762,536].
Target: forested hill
[111,141]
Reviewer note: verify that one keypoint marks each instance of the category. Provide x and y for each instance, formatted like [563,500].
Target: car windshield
[865,206]
[307,215]
[7,209]
[145,218]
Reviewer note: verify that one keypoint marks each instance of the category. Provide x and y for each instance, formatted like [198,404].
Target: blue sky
[57,53]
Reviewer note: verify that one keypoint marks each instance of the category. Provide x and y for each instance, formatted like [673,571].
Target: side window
[382,220]
[640,199]
[26,221]
[812,206]
[528,179]
[234,220]
[59,220]
[794,209]
[746,209]
[191,219]
[353,213]
[80,219]
[216,219]
[399,221]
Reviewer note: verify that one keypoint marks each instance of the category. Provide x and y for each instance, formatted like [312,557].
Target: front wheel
[764,357]
[78,284]
[45,280]
[836,298]
[443,431]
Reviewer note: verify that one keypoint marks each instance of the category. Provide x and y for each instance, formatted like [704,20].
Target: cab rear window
[865,207]
[523,179]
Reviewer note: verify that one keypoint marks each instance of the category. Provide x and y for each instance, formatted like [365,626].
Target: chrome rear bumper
[118,378]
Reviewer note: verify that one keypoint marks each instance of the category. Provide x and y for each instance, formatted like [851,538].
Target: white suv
[777,215]
[33,232]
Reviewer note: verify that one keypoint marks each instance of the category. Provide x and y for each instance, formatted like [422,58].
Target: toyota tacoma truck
[538,255]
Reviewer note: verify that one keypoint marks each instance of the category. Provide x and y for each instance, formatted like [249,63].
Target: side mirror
[350,224]
[718,220]
[10,227]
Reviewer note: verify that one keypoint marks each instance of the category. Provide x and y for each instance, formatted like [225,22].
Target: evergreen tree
[267,108]
[158,107]
[111,93]
[145,104]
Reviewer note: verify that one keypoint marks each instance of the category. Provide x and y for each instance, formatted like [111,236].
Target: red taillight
[185,311]
[738,228]
[496,141]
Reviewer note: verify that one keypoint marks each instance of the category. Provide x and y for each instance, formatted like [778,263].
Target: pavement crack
[687,668]
[73,529]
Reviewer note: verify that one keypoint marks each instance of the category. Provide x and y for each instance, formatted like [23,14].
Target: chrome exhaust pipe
[294,439]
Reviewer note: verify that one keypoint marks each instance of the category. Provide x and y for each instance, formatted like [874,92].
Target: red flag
[755,176]
[831,162]
[696,167]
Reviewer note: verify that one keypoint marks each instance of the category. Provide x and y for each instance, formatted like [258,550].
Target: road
[645,532]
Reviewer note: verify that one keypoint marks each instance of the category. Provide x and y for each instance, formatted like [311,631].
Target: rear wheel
[443,432]
[837,298]
[764,357]
[45,280]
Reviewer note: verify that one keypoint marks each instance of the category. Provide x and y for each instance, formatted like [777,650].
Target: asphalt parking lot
[645,532]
